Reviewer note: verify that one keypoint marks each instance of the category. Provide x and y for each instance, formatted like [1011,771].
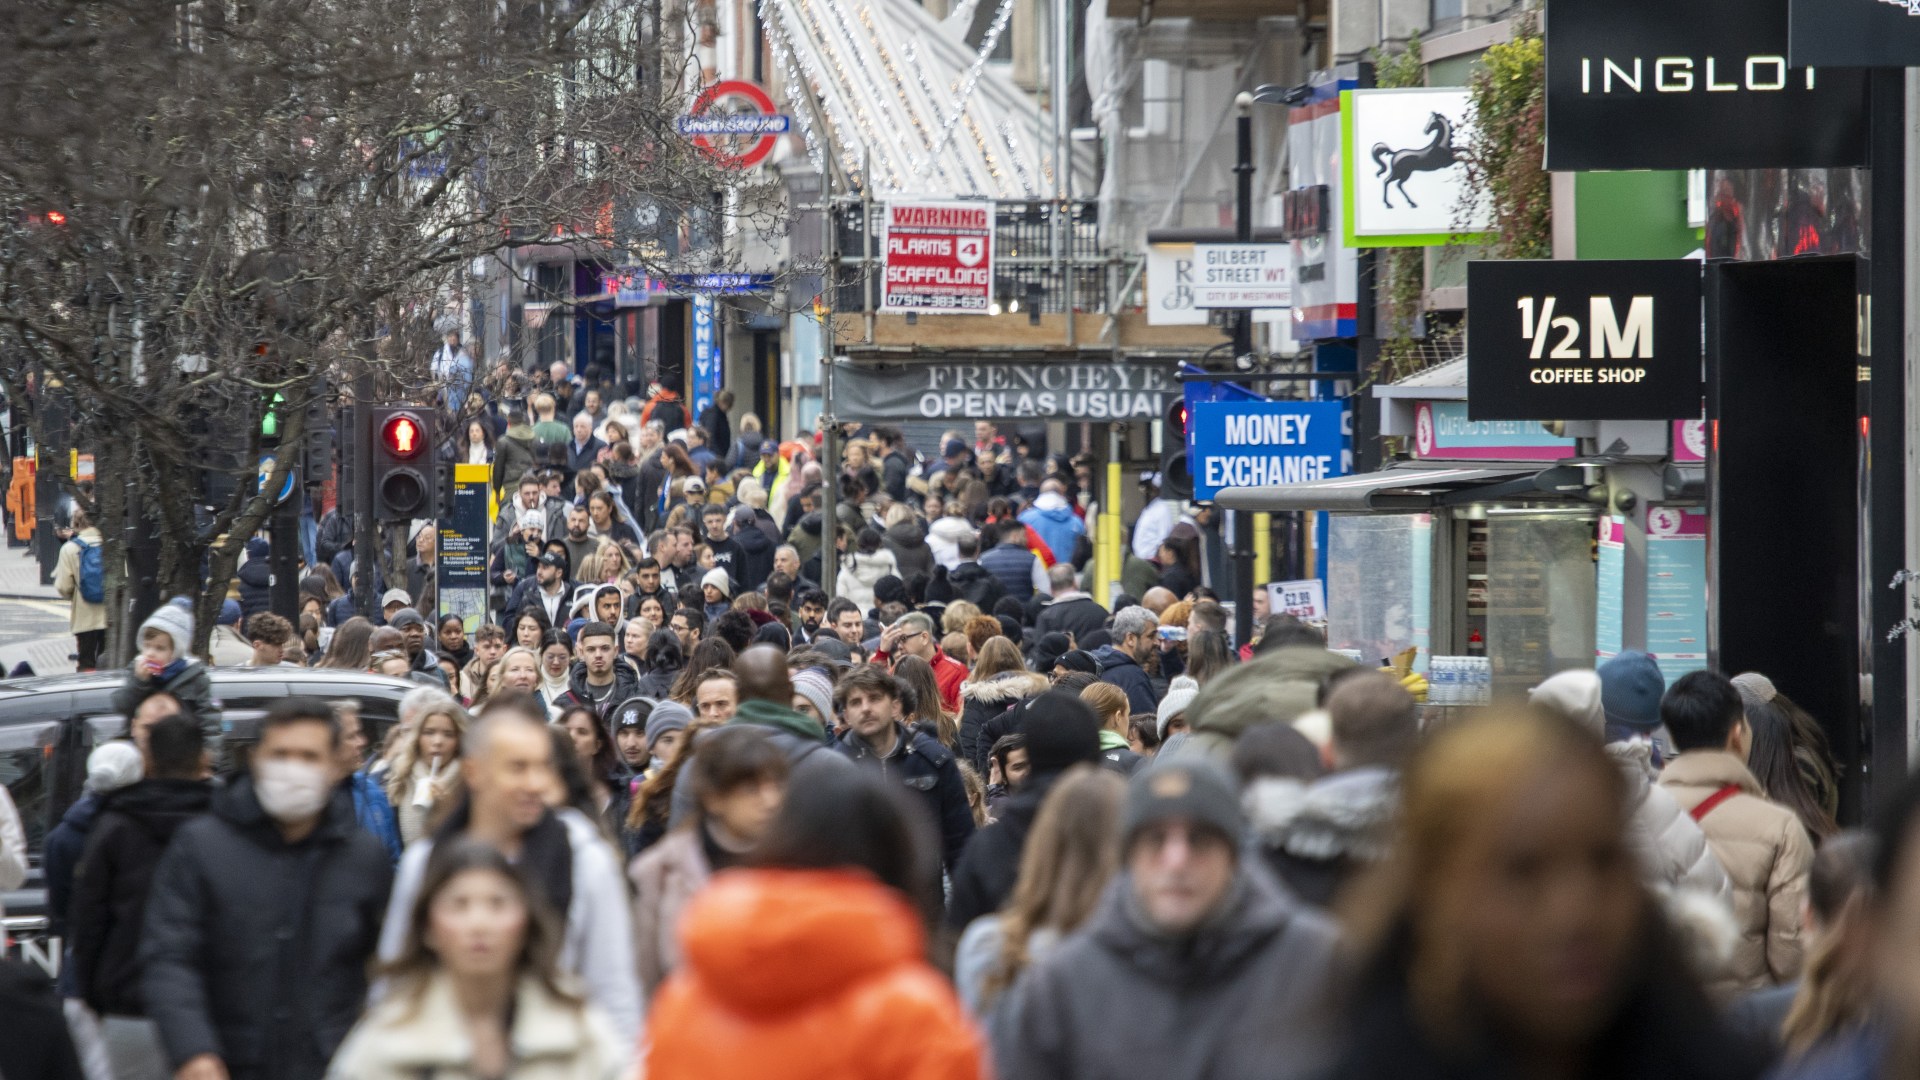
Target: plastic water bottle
[1441,689]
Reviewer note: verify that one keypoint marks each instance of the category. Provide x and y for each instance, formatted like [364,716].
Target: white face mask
[291,791]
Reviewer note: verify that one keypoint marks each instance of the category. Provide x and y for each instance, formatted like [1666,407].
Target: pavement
[33,618]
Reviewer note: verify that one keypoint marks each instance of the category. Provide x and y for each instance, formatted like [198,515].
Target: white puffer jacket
[1672,849]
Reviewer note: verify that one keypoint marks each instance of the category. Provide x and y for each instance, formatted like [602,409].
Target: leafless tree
[211,204]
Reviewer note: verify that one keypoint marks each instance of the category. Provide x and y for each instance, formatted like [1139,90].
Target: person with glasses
[912,635]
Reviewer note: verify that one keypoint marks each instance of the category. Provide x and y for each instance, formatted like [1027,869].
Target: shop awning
[1388,489]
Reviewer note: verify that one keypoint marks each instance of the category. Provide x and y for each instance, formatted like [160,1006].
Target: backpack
[93,574]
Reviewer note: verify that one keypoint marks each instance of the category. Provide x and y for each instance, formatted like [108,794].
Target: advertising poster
[1677,589]
[1325,271]
[460,564]
[1610,586]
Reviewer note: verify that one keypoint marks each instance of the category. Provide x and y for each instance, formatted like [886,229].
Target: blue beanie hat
[229,613]
[1630,689]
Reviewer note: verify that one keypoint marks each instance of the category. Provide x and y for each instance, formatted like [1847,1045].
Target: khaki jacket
[665,879]
[1764,850]
[66,582]
[551,1039]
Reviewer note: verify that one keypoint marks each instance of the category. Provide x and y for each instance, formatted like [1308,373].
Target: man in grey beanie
[1218,972]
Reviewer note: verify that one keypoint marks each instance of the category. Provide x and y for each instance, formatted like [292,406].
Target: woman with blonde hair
[1071,854]
[1508,933]
[1111,705]
[954,619]
[423,767]
[519,669]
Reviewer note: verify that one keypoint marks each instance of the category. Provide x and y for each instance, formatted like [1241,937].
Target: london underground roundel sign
[734,122]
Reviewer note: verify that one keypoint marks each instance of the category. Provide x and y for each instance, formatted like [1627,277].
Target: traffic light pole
[366,532]
[1243,554]
[283,556]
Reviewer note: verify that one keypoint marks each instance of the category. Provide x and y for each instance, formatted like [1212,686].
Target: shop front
[1539,552]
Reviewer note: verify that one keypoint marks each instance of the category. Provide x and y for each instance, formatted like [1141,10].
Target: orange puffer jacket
[805,974]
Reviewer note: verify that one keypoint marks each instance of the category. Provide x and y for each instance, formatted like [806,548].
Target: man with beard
[581,543]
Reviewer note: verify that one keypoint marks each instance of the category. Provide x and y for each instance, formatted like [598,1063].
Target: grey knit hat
[1192,789]
[667,716]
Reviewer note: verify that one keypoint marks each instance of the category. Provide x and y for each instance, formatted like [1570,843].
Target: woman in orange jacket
[813,964]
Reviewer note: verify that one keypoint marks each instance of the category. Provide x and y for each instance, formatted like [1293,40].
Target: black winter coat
[38,1042]
[972,583]
[1120,669]
[719,430]
[256,579]
[111,885]
[908,542]
[755,559]
[984,703]
[1079,616]
[929,771]
[991,865]
[626,684]
[255,949]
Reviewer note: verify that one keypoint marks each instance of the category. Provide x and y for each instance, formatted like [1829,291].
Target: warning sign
[939,258]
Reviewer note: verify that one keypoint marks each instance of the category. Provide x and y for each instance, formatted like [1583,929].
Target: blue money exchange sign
[707,374]
[1238,444]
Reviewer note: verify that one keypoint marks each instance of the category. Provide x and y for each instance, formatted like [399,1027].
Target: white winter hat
[1574,695]
[717,577]
[113,766]
[1180,694]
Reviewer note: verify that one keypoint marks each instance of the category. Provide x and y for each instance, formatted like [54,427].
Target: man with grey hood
[1673,851]
[1318,839]
[1194,965]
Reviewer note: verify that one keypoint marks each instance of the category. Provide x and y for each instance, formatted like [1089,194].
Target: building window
[1447,14]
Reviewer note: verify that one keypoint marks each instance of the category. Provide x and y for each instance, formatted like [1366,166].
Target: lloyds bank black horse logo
[1398,166]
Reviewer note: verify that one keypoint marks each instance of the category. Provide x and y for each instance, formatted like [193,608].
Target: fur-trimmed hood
[1346,815]
[1005,688]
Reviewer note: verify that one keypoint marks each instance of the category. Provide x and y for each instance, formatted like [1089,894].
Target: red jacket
[806,973]
[949,673]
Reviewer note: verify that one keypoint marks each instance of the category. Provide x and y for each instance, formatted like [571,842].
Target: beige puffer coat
[1672,849]
[1765,851]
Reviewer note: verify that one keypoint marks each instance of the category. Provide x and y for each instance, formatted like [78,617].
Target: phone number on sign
[936,299]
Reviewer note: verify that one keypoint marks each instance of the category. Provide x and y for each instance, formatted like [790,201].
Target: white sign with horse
[1406,182]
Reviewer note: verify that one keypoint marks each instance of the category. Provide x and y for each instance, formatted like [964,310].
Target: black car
[48,726]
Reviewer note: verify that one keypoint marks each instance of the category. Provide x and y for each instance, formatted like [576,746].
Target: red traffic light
[1177,418]
[401,436]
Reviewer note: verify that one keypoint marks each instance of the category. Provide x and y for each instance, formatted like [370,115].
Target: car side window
[26,757]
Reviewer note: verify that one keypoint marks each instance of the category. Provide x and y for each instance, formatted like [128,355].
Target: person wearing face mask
[264,912]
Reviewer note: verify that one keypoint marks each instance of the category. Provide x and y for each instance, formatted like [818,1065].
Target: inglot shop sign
[1683,84]
[985,391]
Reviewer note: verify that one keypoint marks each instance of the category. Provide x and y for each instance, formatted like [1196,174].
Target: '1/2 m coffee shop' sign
[1584,340]
[1686,84]
[1036,389]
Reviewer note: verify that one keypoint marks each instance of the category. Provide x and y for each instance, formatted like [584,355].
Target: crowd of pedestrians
[697,816]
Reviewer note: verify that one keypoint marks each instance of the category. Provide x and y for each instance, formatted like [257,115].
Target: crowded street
[959,540]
